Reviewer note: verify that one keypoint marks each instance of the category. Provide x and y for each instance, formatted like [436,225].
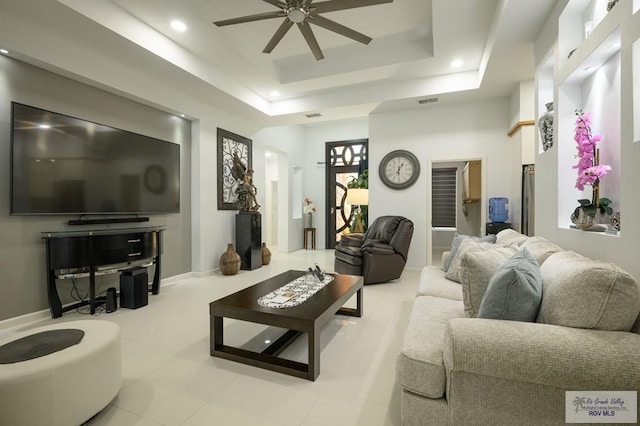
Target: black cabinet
[249,239]
[495,227]
[86,253]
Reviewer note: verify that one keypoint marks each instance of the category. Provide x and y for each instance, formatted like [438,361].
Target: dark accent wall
[22,251]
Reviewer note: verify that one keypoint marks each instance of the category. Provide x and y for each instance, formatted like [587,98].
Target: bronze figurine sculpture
[246,190]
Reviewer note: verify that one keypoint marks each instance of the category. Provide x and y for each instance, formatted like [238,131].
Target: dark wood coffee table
[307,317]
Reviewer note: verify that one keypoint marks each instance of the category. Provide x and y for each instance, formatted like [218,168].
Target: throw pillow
[457,240]
[540,248]
[453,273]
[584,293]
[515,291]
[476,269]
[509,237]
[455,244]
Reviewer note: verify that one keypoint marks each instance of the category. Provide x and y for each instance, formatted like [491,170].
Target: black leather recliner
[380,254]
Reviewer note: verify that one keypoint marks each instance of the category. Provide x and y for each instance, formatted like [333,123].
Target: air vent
[428,101]
[313,115]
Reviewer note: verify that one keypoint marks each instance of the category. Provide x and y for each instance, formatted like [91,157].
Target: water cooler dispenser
[498,215]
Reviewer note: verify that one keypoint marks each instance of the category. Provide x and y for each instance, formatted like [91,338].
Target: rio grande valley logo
[601,407]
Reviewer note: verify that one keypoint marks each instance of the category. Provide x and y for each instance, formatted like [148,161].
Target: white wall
[439,133]
[524,142]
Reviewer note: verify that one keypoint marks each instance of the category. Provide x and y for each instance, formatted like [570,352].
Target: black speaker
[134,288]
[112,301]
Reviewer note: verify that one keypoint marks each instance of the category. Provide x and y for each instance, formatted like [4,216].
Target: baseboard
[205,273]
[174,279]
[26,319]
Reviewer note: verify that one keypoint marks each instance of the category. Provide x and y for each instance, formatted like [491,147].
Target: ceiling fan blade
[286,25]
[251,18]
[333,5]
[277,3]
[339,28]
[305,29]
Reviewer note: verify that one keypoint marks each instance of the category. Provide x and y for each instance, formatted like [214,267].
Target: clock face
[399,169]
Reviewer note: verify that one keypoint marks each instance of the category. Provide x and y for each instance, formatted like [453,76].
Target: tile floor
[170,379]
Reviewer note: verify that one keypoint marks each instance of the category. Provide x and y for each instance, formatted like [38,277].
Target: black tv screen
[65,165]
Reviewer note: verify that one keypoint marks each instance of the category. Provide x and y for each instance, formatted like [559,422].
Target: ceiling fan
[305,12]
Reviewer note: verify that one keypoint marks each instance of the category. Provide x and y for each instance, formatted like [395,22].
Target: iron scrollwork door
[344,161]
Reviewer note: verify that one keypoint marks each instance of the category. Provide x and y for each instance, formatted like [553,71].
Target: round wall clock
[399,169]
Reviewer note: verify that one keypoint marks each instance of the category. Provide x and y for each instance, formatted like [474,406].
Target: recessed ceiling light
[275,94]
[44,126]
[4,51]
[457,63]
[179,26]
[182,115]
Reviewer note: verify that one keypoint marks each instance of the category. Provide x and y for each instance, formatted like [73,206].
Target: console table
[81,254]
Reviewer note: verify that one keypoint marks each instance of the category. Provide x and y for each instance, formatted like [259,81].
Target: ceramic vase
[545,124]
[266,254]
[230,261]
[615,221]
[308,220]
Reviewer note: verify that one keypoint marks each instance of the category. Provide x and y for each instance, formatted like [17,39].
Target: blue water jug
[499,209]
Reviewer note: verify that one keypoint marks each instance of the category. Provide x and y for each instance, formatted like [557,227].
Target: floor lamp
[358,197]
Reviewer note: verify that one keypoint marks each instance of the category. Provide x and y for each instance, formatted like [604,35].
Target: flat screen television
[66,165]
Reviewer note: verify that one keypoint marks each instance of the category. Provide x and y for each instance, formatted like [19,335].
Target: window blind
[443,198]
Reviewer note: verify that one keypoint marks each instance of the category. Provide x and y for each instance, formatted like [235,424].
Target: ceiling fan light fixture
[297,14]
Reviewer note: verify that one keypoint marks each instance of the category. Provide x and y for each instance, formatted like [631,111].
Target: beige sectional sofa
[457,369]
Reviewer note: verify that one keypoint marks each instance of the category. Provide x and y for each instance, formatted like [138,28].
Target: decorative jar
[230,261]
[266,254]
[545,124]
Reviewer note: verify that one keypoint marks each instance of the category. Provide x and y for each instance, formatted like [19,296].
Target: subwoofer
[134,288]
[112,300]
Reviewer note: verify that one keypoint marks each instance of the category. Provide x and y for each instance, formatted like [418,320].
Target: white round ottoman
[67,387]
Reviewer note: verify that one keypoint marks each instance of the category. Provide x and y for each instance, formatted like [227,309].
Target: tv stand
[78,254]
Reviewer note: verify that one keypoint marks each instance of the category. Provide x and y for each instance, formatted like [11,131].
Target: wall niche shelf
[574,42]
[589,80]
[590,60]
